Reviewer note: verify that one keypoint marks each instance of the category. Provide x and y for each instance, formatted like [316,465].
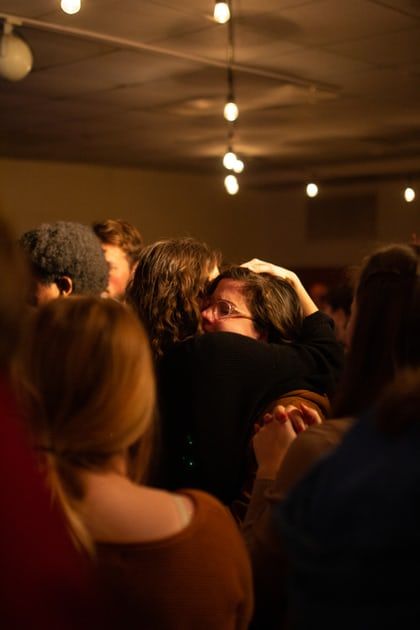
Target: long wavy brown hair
[165,291]
[85,381]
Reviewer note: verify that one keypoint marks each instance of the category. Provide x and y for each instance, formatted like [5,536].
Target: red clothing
[44,582]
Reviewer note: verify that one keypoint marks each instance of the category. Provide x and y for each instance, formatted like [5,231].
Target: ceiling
[326,88]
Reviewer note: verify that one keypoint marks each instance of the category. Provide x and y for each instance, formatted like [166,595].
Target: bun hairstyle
[87,388]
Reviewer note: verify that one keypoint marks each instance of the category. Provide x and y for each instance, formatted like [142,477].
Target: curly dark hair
[272,301]
[168,282]
[121,234]
[69,249]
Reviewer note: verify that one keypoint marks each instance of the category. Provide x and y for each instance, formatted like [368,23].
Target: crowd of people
[190,444]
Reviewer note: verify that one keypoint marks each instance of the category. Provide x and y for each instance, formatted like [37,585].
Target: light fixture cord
[231,54]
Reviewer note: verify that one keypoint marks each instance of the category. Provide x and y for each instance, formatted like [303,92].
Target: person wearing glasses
[260,306]
[267,339]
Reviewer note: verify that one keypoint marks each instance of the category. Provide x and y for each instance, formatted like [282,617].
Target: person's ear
[65,286]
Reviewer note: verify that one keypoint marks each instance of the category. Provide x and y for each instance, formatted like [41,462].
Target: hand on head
[260,266]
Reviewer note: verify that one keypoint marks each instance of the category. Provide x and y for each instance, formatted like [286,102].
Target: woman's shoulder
[209,531]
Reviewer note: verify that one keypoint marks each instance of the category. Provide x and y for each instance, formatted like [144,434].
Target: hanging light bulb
[312,190]
[231,111]
[16,58]
[229,159]
[409,194]
[71,6]
[231,184]
[221,12]
[239,166]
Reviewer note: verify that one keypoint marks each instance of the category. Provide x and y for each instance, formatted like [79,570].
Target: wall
[270,225]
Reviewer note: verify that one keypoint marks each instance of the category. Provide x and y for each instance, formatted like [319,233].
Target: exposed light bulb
[71,6]
[312,190]
[239,166]
[409,194]
[231,111]
[231,184]
[229,160]
[221,12]
[16,58]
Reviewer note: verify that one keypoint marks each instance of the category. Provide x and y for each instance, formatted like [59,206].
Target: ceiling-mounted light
[409,194]
[312,190]
[231,184]
[71,6]
[231,111]
[15,55]
[221,12]
[229,159]
[239,166]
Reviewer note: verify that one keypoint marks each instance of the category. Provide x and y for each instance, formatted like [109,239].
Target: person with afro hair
[66,259]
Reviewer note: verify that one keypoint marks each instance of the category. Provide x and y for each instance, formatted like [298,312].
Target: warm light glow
[409,194]
[239,166]
[229,160]
[231,111]
[16,58]
[312,190]
[231,184]
[70,6]
[221,12]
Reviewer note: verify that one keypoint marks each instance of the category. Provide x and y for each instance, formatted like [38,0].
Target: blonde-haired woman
[87,387]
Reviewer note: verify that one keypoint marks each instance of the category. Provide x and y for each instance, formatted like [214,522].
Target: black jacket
[213,387]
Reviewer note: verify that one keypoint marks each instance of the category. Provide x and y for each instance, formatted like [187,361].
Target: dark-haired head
[381,326]
[272,303]
[120,234]
[167,287]
[66,258]
[121,244]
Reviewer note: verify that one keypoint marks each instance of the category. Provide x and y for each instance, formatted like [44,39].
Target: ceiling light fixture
[71,6]
[312,190]
[409,194]
[221,12]
[231,111]
[16,58]
[229,159]
[239,166]
[231,184]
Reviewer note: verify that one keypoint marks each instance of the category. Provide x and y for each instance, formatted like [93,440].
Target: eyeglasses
[222,309]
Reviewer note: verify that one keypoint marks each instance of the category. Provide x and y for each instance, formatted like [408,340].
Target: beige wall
[254,223]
